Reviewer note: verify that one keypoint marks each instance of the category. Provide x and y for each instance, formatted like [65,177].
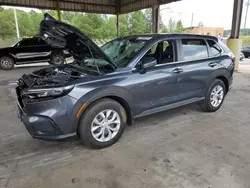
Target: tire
[88,128]
[6,63]
[209,105]
[57,59]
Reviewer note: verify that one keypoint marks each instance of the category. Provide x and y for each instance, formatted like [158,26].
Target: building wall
[213,31]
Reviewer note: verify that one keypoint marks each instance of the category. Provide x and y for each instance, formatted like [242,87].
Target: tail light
[233,59]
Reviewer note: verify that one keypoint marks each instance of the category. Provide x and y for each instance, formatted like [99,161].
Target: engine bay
[49,77]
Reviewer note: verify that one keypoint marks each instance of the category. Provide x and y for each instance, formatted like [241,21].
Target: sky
[212,13]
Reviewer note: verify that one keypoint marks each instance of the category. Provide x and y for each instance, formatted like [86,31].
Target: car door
[194,68]
[156,86]
[31,50]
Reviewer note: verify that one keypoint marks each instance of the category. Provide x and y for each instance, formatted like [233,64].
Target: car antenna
[94,60]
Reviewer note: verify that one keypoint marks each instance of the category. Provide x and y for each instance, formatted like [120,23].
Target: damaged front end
[47,83]
[43,104]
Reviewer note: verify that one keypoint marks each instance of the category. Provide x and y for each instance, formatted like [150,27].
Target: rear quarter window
[215,49]
[224,47]
[194,49]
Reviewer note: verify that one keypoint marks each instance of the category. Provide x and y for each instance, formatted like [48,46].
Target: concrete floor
[181,148]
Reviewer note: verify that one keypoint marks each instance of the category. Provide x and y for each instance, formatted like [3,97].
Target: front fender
[96,94]
[8,55]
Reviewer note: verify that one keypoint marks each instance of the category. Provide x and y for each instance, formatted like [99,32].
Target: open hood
[61,35]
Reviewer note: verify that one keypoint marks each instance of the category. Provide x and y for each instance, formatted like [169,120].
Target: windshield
[122,51]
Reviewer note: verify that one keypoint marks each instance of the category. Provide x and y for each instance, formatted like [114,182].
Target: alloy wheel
[105,125]
[217,96]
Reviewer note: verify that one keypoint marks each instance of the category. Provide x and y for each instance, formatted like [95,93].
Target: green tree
[94,25]
[138,23]
[90,24]
[171,26]
[124,28]
[108,30]
[164,29]
[68,16]
[179,27]
[7,24]
[148,16]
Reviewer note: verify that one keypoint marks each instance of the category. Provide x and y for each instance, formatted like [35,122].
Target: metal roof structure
[91,6]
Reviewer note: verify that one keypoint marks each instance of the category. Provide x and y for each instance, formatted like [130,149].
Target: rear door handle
[177,70]
[213,64]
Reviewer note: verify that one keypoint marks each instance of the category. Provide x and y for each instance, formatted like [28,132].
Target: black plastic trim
[169,106]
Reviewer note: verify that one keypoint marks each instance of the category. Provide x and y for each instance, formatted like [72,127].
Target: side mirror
[148,62]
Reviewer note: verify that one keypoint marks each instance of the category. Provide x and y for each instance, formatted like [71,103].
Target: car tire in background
[102,123]
[214,97]
[57,59]
[246,55]
[6,63]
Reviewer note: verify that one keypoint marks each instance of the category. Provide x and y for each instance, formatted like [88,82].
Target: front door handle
[213,64]
[177,70]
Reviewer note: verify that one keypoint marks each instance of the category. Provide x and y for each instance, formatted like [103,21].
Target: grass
[245,40]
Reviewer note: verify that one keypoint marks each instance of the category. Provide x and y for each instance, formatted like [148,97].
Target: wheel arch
[225,81]
[121,101]
[8,55]
[118,94]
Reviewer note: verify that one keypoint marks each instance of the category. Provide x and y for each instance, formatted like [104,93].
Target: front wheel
[102,124]
[214,97]
[6,63]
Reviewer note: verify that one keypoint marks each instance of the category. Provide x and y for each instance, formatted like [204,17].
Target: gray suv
[106,88]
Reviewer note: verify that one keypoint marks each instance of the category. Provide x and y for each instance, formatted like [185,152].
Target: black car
[246,51]
[241,56]
[127,78]
[31,50]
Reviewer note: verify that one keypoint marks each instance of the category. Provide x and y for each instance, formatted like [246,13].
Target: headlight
[48,92]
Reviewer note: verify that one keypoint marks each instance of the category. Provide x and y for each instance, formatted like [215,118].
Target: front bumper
[48,120]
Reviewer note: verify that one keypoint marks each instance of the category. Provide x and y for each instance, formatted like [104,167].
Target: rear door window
[214,48]
[194,49]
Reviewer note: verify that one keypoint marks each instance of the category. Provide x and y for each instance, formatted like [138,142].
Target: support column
[234,43]
[117,25]
[155,18]
[58,11]
[118,5]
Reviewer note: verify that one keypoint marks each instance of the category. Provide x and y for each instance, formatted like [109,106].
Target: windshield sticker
[144,38]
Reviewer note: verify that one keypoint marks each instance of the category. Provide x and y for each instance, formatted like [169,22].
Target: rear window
[194,49]
[214,48]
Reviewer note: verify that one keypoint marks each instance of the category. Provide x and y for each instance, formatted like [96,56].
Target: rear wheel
[214,97]
[6,63]
[57,59]
[102,123]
